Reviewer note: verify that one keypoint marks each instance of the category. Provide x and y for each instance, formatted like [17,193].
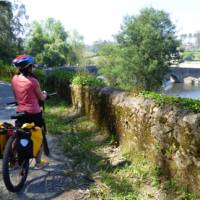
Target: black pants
[29,118]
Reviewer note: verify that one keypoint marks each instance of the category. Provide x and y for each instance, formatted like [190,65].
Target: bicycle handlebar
[52,94]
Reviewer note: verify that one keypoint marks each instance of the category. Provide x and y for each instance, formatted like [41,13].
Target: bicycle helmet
[23,61]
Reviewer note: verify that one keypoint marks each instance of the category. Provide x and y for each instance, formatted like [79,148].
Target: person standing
[27,91]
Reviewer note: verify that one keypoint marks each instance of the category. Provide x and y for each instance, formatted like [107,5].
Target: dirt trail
[56,181]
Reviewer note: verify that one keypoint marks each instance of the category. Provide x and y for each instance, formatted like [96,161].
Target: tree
[47,41]
[147,45]
[12,23]
[77,50]
[110,63]
[36,39]
[5,29]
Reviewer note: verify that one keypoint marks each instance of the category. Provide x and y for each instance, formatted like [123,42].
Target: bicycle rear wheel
[14,171]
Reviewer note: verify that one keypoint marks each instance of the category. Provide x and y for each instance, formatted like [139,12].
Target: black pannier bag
[24,145]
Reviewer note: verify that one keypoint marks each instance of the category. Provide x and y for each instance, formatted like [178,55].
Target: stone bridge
[178,74]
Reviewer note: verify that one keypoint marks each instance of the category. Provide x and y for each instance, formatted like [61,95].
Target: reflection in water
[182,90]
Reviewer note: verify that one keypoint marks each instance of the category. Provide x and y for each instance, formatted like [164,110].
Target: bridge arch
[180,73]
[173,78]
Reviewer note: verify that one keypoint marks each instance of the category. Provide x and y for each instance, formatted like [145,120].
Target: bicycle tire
[7,156]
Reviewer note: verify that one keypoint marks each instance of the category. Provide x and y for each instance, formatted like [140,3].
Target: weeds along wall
[167,136]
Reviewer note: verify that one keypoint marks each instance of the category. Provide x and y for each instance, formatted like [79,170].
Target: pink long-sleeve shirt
[25,92]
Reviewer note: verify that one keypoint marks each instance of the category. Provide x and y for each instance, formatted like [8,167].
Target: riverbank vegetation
[182,103]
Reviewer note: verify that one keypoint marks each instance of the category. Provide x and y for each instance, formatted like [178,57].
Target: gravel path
[56,181]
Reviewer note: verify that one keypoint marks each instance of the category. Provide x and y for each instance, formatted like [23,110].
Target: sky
[101,19]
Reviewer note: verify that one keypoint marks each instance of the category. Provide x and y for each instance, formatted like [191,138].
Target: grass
[83,142]
[182,103]
[111,174]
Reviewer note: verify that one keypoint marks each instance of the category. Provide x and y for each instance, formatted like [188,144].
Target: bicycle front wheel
[15,171]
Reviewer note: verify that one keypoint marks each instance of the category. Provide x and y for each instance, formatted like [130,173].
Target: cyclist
[27,91]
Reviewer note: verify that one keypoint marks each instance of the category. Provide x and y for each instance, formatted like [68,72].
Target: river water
[183,90]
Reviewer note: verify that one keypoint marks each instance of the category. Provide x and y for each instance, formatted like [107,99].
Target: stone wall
[169,137]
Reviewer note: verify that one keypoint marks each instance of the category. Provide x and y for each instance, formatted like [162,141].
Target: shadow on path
[52,181]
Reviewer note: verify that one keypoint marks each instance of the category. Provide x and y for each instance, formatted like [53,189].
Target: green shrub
[59,78]
[87,79]
[59,81]
[7,71]
[183,103]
